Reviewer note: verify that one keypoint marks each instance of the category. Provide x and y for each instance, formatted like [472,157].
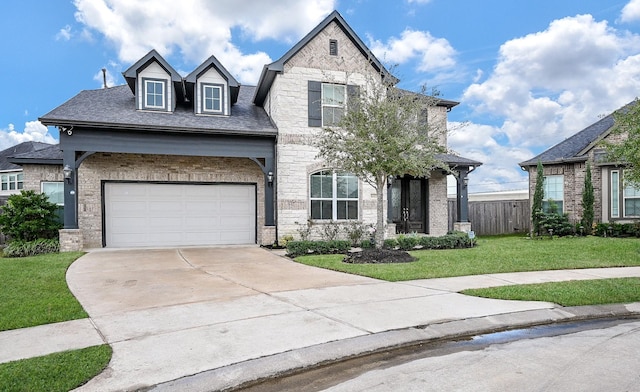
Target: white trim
[324,104]
[163,95]
[220,89]
[615,194]
[334,199]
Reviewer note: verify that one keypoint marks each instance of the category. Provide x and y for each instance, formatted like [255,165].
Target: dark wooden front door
[409,205]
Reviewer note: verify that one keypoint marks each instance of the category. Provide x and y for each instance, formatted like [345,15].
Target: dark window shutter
[353,97]
[315,104]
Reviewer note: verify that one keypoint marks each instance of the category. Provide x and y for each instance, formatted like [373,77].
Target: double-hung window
[11,182]
[553,194]
[333,195]
[625,197]
[154,94]
[333,103]
[211,98]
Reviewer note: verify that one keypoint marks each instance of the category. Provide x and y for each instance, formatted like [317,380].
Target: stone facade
[153,168]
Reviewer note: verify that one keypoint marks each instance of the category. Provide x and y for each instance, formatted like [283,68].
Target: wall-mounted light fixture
[270,178]
[465,181]
[68,172]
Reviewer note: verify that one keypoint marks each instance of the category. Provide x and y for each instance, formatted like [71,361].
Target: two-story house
[167,160]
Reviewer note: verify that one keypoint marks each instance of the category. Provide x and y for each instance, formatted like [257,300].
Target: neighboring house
[564,172]
[167,160]
[11,176]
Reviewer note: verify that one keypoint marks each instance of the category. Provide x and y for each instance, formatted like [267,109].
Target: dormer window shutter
[315,103]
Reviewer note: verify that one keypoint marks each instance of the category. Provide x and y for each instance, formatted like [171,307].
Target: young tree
[587,201]
[538,195]
[627,125]
[384,132]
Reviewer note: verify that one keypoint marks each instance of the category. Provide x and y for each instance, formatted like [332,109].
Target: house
[166,160]
[11,176]
[564,172]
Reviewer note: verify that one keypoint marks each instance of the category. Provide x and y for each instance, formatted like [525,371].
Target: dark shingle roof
[455,160]
[50,155]
[18,149]
[573,148]
[114,108]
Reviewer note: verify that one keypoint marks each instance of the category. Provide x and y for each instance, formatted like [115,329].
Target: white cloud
[64,33]
[433,54]
[631,12]
[202,29]
[33,131]
[549,85]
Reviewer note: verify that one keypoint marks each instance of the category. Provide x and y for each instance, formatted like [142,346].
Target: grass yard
[573,293]
[34,291]
[495,255]
[55,372]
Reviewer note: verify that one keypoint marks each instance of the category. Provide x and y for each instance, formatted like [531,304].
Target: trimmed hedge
[617,229]
[456,240]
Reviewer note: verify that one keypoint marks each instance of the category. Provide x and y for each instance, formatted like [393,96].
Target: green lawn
[573,293]
[34,292]
[497,254]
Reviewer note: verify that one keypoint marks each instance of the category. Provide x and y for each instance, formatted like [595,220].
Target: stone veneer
[287,105]
[137,167]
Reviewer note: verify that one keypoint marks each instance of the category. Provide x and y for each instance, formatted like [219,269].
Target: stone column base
[70,240]
[462,226]
[390,230]
[268,236]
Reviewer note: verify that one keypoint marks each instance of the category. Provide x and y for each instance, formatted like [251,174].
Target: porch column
[270,180]
[462,196]
[70,190]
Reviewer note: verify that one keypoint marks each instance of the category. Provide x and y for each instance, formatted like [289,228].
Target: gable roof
[269,71]
[24,147]
[575,148]
[212,62]
[114,108]
[131,74]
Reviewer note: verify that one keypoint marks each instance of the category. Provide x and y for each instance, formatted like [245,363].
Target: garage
[160,214]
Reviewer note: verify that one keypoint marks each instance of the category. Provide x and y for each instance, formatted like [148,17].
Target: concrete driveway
[173,313]
[168,313]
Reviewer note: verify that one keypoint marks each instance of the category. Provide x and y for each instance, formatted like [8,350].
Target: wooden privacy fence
[495,217]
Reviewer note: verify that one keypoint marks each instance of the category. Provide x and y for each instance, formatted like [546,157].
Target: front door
[409,204]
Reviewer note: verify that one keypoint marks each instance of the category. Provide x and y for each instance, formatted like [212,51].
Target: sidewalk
[256,336]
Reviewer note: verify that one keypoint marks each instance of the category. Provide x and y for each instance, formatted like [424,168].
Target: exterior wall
[34,175]
[287,105]
[138,167]
[438,205]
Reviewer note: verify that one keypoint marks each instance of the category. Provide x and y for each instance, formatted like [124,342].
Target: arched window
[333,195]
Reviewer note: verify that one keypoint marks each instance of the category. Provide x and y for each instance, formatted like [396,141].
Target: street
[587,356]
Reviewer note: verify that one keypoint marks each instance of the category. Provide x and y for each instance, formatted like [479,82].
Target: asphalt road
[590,356]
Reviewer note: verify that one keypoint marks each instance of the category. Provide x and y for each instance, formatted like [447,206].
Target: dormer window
[154,94]
[212,98]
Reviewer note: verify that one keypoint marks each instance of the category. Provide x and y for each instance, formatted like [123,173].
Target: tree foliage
[29,216]
[587,201]
[538,196]
[627,125]
[384,132]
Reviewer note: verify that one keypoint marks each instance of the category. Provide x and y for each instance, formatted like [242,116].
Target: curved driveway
[172,313]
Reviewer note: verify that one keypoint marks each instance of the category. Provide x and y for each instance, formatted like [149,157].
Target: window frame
[145,102]
[325,103]
[623,189]
[546,198]
[615,194]
[334,198]
[203,98]
[12,181]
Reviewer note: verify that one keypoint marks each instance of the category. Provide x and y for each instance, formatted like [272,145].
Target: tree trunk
[381,182]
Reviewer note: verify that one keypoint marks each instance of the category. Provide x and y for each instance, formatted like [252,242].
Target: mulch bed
[372,256]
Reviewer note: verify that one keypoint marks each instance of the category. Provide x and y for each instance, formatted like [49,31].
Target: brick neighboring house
[167,160]
[565,168]
[11,175]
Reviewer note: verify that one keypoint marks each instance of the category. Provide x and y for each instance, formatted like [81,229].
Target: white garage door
[143,214]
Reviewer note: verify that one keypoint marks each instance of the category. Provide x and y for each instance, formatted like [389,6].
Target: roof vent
[333,47]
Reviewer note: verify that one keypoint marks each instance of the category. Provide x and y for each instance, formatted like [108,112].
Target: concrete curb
[251,372]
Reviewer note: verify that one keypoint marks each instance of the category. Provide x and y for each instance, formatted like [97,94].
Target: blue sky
[527,74]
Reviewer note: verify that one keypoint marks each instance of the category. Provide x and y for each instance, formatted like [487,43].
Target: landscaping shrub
[552,223]
[19,248]
[299,248]
[28,216]
[408,241]
[617,229]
